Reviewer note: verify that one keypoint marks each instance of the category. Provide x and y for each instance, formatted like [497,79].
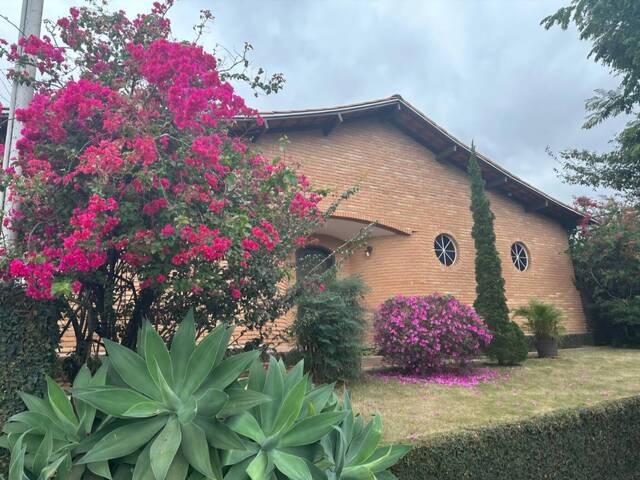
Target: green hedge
[28,343]
[588,443]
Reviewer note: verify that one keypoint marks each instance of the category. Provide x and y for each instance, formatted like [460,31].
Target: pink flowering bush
[422,334]
[134,195]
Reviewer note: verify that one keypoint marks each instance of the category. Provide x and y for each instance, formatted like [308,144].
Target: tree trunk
[140,313]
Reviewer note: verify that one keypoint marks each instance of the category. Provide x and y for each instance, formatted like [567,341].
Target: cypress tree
[509,345]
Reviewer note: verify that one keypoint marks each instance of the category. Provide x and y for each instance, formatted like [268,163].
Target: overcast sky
[482,69]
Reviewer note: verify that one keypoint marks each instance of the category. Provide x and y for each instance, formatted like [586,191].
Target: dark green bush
[580,444]
[509,345]
[28,342]
[329,327]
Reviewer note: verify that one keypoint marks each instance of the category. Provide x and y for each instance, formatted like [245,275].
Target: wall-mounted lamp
[368,251]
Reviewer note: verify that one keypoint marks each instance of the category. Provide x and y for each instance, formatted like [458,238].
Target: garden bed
[414,409]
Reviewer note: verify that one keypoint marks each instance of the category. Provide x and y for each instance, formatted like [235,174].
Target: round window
[519,256]
[445,249]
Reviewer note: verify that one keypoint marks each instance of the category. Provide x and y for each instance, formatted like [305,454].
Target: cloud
[483,70]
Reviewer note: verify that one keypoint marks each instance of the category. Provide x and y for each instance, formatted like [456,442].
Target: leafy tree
[606,259]
[613,27]
[508,345]
[134,197]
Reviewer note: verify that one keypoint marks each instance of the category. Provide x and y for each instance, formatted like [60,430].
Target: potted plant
[544,320]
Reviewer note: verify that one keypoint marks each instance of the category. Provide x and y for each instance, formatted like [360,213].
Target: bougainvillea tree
[134,196]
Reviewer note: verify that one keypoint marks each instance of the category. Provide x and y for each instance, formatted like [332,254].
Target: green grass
[579,377]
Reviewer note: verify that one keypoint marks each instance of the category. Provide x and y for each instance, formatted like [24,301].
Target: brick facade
[402,184]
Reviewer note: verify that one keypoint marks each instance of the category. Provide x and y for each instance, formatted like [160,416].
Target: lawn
[579,377]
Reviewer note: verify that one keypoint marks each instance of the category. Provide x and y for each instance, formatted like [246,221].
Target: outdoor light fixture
[368,251]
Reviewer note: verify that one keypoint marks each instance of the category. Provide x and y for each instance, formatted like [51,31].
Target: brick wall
[402,184]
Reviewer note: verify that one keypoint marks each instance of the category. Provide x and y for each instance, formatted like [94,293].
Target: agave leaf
[179,468]
[132,368]
[101,469]
[39,423]
[258,469]
[318,397]
[196,450]
[37,405]
[363,446]
[246,424]
[16,464]
[204,358]
[164,448]
[292,466]
[358,472]
[291,406]
[114,401]
[51,469]
[83,377]
[142,470]
[241,400]
[294,375]
[386,475]
[61,404]
[229,370]
[182,346]
[238,471]
[219,435]
[274,388]
[386,457]
[234,457]
[156,353]
[124,440]
[144,410]
[211,402]
[169,397]
[43,453]
[311,429]
[257,377]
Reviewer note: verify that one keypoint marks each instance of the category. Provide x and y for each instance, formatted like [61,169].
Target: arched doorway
[313,260]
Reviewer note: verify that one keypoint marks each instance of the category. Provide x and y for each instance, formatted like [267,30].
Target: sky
[485,70]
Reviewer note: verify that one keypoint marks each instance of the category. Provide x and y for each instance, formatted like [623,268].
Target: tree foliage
[606,259]
[508,345]
[134,196]
[490,303]
[613,27]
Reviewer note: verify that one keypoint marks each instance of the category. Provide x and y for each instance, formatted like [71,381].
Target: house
[414,188]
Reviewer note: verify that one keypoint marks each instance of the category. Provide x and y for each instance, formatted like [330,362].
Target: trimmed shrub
[509,345]
[422,334]
[329,327]
[28,342]
[579,444]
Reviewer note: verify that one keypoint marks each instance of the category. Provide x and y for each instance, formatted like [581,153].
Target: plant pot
[547,347]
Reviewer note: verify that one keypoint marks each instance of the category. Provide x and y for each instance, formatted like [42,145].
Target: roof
[447,148]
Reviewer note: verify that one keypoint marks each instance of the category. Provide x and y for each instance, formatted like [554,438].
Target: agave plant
[281,436]
[186,413]
[172,400]
[353,450]
[45,439]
